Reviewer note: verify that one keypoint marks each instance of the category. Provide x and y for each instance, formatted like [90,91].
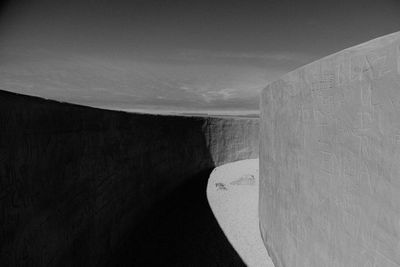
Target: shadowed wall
[329,160]
[78,185]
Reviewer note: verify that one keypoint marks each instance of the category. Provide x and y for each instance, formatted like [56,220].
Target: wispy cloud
[128,82]
[270,58]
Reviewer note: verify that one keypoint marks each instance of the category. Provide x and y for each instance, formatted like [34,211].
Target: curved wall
[330,160]
[75,181]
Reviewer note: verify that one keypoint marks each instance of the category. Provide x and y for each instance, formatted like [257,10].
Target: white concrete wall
[330,160]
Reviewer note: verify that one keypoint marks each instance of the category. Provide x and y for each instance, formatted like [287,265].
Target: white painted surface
[232,192]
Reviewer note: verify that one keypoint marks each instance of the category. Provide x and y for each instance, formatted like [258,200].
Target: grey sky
[174,54]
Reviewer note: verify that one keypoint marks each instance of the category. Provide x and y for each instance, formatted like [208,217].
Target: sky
[174,54]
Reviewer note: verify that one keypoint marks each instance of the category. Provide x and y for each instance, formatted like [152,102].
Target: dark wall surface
[87,187]
[330,160]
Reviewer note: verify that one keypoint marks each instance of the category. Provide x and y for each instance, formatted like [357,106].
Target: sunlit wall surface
[329,160]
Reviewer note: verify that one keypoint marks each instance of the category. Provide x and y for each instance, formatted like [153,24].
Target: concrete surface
[232,192]
[79,186]
[330,160]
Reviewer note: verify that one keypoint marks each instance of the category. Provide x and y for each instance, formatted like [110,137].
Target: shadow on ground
[181,231]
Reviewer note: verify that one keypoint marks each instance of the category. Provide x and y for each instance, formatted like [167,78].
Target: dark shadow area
[181,230]
[80,186]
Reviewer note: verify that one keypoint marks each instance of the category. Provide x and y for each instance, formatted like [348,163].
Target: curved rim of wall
[367,45]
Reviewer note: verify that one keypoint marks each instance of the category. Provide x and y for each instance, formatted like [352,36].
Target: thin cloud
[268,58]
[129,83]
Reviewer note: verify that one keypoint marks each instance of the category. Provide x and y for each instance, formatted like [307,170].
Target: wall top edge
[372,44]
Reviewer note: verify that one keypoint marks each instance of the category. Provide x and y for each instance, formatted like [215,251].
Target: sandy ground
[232,192]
